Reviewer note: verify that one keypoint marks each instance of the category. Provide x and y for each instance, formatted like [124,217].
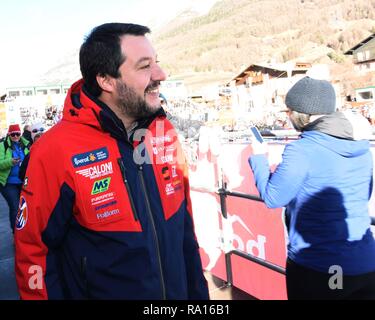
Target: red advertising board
[250,227]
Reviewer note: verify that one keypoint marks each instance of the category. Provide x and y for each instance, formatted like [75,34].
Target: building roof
[274,68]
[360,44]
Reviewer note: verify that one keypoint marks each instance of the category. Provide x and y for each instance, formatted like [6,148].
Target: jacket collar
[343,125]
[81,106]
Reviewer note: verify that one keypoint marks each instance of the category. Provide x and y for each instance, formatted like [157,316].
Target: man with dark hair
[99,219]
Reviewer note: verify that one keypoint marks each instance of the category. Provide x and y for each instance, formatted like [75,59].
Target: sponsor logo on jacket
[165,173]
[100,186]
[167,158]
[103,198]
[97,171]
[155,141]
[21,218]
[106,205]
[163,149]
[90,157]
[174,172]
[169,189]
[107,214]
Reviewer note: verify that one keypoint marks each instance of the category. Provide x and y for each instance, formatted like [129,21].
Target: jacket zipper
[123,173]
[148,206]
[84,275]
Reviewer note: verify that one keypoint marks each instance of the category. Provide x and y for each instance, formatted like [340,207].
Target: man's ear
[106,82]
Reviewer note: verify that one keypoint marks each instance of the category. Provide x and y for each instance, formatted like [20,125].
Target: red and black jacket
[103,216]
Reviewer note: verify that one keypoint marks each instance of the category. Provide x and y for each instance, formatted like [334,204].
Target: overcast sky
[35,34]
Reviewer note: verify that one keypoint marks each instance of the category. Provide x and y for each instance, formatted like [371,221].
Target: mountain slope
[236,33]
[213,47]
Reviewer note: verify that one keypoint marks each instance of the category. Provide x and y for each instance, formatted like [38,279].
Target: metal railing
[223,194]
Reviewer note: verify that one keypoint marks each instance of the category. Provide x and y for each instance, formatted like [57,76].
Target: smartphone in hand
[257,134]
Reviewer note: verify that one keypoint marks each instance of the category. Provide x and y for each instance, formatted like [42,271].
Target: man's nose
[158,74]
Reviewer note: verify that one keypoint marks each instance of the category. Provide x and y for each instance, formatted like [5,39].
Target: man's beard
[131,104]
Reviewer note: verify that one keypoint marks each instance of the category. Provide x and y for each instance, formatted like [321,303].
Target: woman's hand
[258,148]
[15,161]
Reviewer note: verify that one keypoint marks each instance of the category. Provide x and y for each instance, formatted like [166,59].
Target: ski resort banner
[249,227]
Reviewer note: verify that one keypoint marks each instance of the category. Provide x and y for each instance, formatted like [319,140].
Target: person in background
[325,182]
[37,130]
[12,152]
[27,134]
[106,210]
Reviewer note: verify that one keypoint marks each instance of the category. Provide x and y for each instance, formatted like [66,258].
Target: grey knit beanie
[311,96]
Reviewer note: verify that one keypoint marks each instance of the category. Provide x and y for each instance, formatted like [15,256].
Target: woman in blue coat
[325,183]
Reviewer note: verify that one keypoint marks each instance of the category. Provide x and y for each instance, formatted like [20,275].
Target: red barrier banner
[250,227]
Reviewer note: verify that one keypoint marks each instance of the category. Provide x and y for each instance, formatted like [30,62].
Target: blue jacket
[325,184]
